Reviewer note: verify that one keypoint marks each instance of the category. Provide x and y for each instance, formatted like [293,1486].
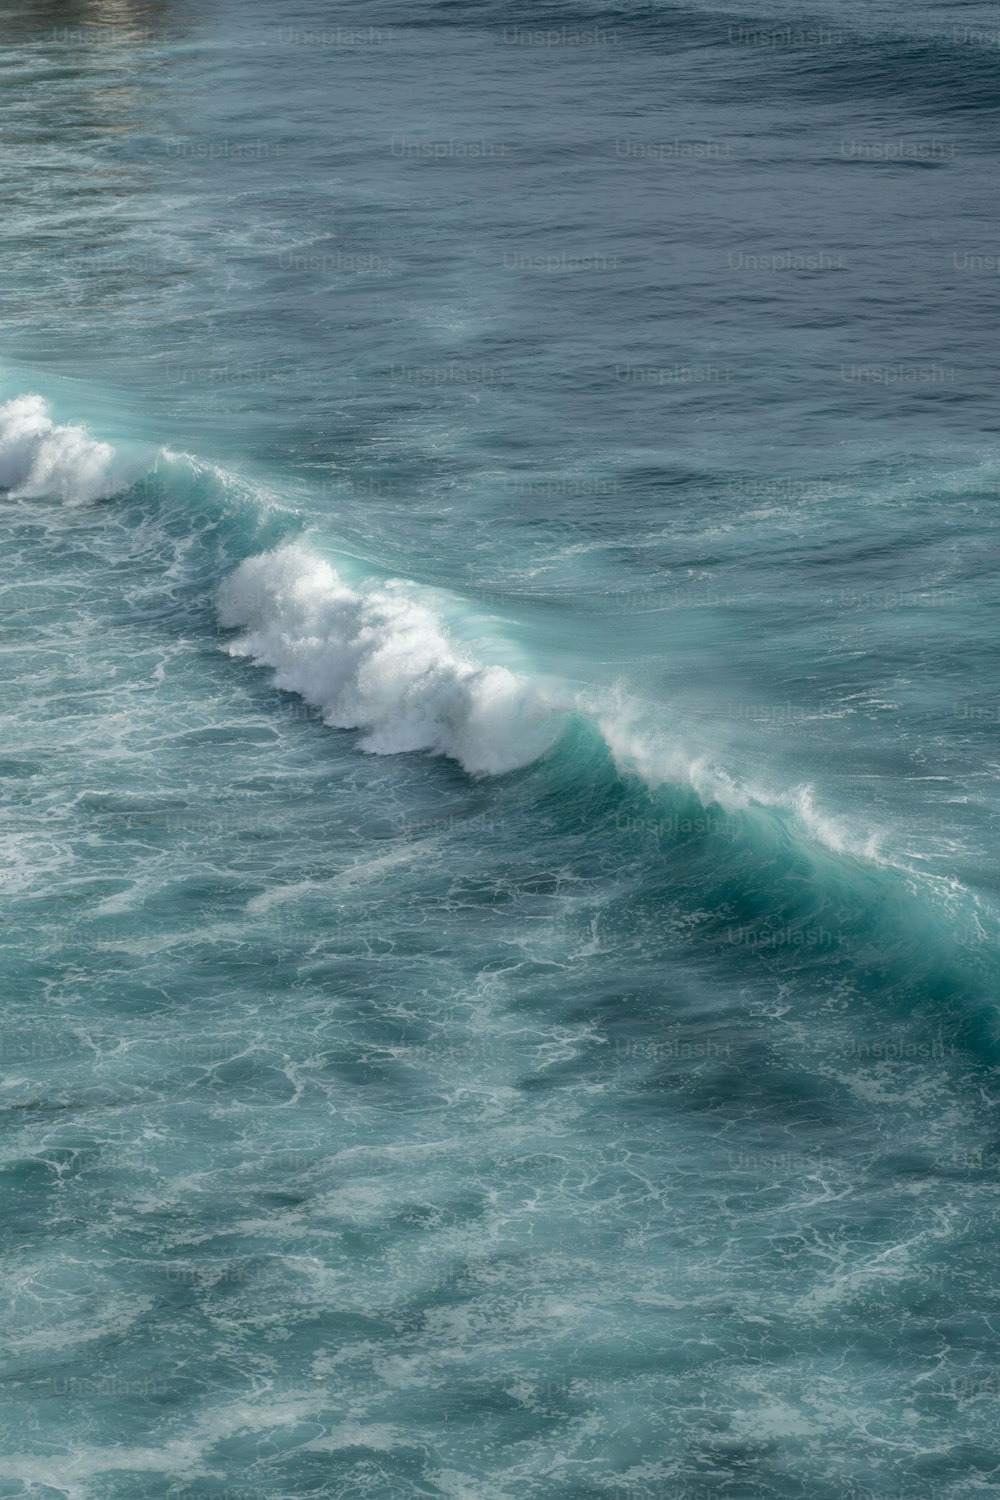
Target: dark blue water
[500,886]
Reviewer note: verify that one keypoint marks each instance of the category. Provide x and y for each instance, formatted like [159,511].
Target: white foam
[40,458]
[377,658]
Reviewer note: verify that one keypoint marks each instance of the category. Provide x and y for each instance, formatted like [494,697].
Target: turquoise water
[500,883]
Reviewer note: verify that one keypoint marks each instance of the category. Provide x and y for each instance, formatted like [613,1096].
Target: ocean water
[500,888]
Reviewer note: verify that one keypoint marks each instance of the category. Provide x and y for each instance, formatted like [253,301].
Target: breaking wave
[41,458]
[377,659]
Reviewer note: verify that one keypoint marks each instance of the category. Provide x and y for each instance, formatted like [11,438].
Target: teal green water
[499,885]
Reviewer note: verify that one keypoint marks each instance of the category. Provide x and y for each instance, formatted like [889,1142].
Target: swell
[948,64]
[948,68]
[759,874]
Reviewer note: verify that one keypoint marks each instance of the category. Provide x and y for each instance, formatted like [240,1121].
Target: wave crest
[375,658]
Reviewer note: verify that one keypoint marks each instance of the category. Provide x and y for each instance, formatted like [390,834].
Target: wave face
[589,1093]
[378,660]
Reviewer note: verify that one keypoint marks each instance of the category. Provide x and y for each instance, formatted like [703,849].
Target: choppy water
[500,885]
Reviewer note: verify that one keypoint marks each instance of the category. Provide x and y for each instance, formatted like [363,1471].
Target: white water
[377,659]
[39,457]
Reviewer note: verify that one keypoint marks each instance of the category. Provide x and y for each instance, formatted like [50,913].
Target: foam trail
[374,658]
[40,458]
